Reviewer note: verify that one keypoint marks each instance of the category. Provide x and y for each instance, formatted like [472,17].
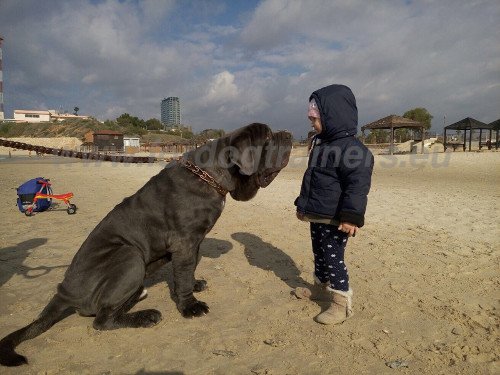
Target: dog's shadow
[210,248]
[268,257]
[12,259]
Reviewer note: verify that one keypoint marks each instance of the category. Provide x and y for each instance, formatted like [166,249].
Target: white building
[23,115]
[131,141]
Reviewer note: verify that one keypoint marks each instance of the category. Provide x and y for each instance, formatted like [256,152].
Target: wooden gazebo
[495,127]
[470,124]
[393,122]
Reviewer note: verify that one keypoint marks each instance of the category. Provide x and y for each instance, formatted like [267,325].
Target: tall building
[2,116]
[171,111]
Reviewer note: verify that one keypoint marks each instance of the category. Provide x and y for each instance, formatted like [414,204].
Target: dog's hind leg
[121,291]
[108,318]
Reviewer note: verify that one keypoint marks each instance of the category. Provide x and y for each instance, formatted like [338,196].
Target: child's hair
[313,109]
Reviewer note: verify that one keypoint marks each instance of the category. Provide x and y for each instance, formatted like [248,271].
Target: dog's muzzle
[280,147]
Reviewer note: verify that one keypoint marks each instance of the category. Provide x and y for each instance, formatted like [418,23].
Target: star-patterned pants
[328,245]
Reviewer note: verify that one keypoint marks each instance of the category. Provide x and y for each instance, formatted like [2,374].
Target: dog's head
[245,160]
[256,156]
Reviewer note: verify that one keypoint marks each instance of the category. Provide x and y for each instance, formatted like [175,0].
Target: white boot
[318,292]
[340,309]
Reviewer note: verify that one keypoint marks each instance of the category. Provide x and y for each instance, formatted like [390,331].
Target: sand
[424,269]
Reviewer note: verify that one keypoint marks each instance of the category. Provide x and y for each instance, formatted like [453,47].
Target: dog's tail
[52,313]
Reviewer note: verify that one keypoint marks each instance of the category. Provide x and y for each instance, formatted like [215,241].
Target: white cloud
[222,89]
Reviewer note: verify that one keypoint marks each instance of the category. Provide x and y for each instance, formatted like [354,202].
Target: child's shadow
[268,257]
[12,258]
[210,247]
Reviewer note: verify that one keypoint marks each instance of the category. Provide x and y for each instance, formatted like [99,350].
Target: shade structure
[466,124]
[470,124]
[495,127]
[495,124]
[394,122]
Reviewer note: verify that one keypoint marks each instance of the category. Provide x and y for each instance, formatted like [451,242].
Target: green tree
[153,124]
[76,109]
[125,121]
[402,135]
[421,115]
[377,136]
[111,125]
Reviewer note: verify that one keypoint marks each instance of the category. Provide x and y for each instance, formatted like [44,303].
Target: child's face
[316,124]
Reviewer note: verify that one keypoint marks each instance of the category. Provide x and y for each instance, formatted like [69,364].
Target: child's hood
[339,114]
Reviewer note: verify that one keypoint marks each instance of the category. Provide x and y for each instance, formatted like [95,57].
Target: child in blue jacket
[333,196]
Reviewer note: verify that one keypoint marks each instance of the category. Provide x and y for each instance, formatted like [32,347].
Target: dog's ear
[246,147]
[242,153]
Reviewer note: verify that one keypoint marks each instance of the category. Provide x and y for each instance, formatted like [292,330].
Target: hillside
[78,128]
[49,129]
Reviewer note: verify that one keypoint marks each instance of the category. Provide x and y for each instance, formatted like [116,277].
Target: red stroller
[36,195]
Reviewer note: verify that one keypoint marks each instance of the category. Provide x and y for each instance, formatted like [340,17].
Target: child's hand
[300,216]
[348,228]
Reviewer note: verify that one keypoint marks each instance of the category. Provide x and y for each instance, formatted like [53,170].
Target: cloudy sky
[239,61]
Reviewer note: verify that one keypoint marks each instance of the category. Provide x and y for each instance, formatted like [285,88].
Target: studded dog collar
[203,175]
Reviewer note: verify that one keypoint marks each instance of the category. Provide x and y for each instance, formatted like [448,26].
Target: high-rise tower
[2,116]
[171,111]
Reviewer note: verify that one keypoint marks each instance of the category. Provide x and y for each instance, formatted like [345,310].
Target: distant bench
[454,145]
[488,144]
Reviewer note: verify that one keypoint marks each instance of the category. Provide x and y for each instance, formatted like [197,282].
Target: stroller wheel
[71,209]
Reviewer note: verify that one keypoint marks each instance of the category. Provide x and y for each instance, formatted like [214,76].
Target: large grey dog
[166,220]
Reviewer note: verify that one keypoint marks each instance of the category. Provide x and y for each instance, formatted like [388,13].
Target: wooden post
[423,137]
[480,138]
[491,140]
[391,151]
[465,138]
[470,138]
[444,140]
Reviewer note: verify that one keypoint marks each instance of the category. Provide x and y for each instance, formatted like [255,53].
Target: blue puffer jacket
[337,180]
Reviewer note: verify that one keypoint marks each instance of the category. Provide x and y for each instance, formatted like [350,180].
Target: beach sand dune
[424,269]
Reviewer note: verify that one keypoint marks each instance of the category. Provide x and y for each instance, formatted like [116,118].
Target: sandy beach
[424,270]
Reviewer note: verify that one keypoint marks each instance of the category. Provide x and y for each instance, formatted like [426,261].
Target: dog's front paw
[196,308]
[199,286]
